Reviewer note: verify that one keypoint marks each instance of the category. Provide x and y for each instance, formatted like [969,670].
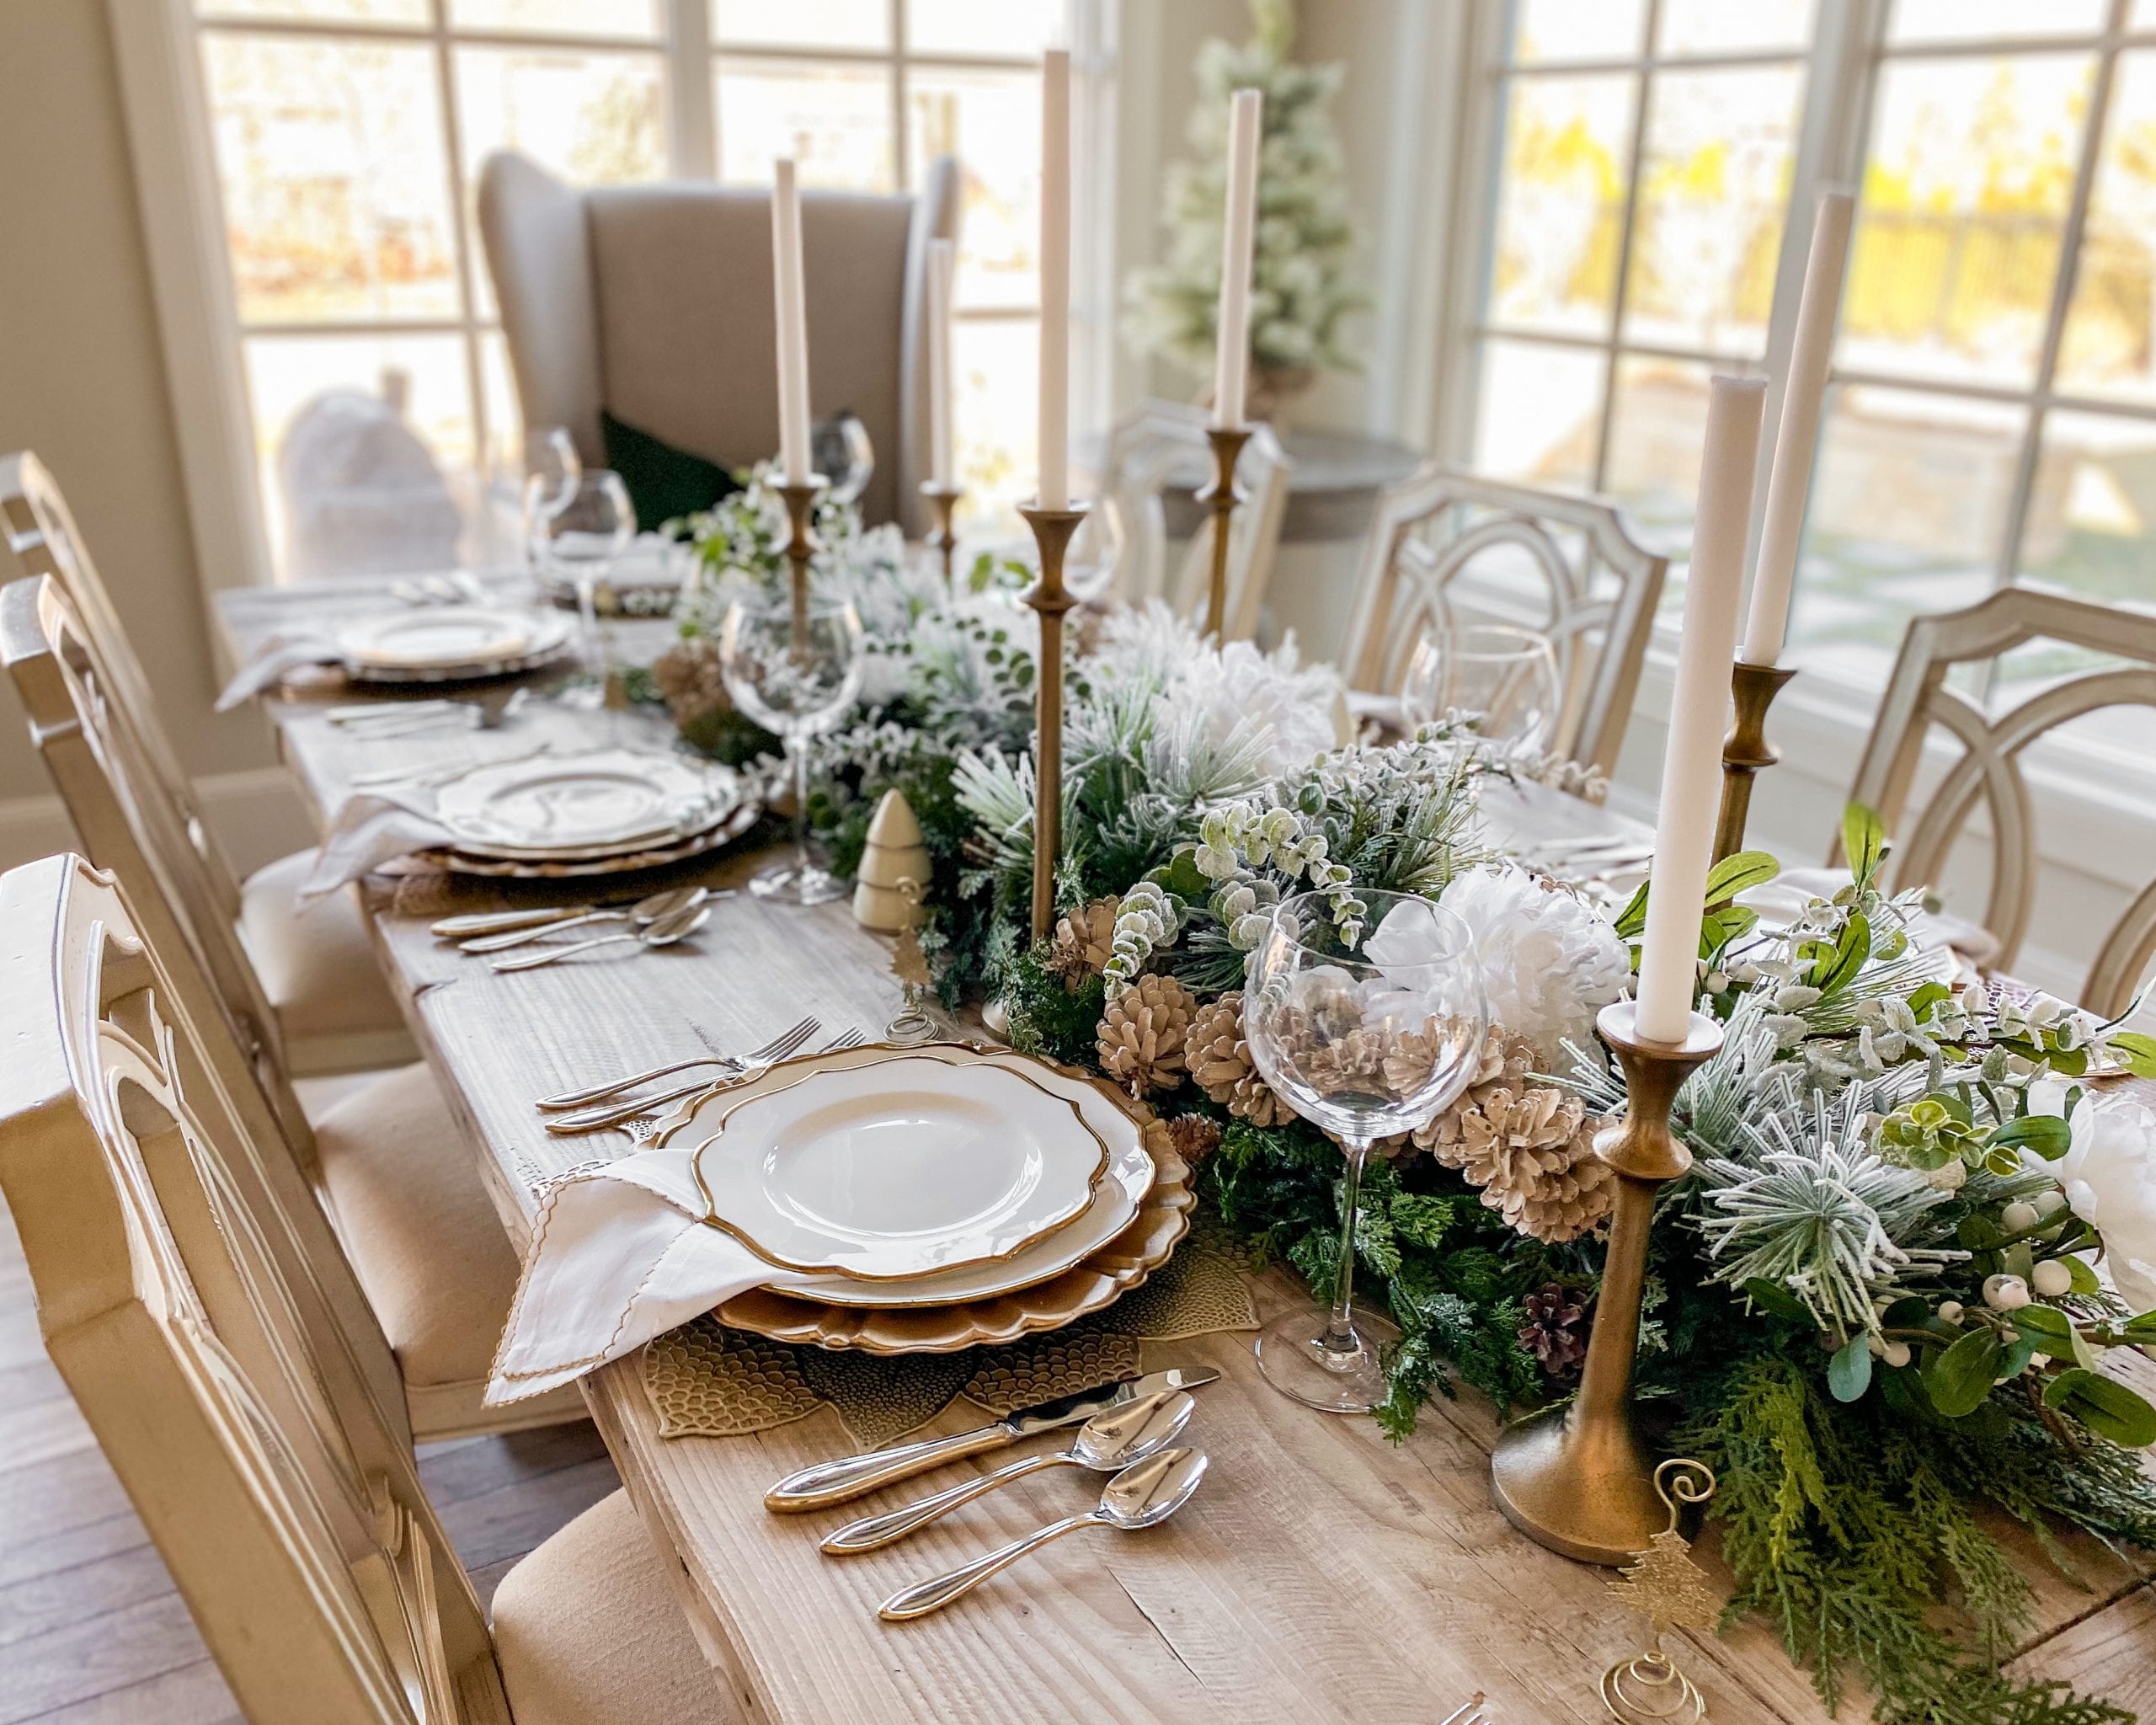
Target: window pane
[2092,510]
[996,364]
[1958,233]
[335,177]
[1975,20]
[401,12]
[2109,345]
[286,372]
[1561,202]
[1580,29]
[630,18]
[805,24]
[991,122]
[1716,27]
[595,118]
[1538,413]
[982,26]
[1657,435]
[1713,192]
[835,121]
[1908,506]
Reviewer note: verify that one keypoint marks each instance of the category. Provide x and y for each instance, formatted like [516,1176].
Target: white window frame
[157,48]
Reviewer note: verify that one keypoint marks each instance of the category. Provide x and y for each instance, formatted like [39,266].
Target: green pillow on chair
[663,481]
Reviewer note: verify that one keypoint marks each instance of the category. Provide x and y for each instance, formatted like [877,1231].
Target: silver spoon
[1107,1443]
[1143,1495]
[656,908]
[677,927]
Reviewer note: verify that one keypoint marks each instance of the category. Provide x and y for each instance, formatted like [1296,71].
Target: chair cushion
[587,1631]
[320,972]
[664,483]
[422,1234]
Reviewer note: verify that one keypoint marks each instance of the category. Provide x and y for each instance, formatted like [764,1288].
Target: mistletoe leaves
[1722,919]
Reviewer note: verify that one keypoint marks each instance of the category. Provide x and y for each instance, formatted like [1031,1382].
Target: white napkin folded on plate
[618,1255]
[370,829]
[279,653]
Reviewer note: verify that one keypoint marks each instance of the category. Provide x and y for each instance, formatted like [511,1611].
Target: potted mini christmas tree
[1301,291]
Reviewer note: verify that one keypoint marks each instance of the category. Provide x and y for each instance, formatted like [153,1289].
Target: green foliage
[1046,1017]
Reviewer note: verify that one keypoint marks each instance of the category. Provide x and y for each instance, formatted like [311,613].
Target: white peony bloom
[2110,1177]
[1549,964]
[1239,684]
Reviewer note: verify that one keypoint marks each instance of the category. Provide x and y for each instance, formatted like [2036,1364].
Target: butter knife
[840,1481]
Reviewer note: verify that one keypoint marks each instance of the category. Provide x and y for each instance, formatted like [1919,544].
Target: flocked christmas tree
[1301,291]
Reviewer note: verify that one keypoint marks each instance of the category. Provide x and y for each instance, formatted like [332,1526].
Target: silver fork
[777,1049]
[619,1114]
[643,1128]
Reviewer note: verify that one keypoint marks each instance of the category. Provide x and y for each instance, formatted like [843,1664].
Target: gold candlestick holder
[1221,496]
[1746,749]
[1577,1479]
[802,543]
[1053,529]
[943,539]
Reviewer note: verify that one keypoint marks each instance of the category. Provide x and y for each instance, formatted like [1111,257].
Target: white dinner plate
[430,637]
[1115,1200]
[899,1170]
[587,806]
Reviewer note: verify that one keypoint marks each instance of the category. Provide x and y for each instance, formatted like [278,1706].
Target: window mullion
[460,234]
[691,136]
[1640,105]
[901,145]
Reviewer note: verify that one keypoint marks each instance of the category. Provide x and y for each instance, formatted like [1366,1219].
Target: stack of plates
[929,1199]
[448,642]
[604,812]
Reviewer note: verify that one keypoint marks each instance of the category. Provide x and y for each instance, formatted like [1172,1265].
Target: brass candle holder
[1221,496]
[943,539]
[802,543]
[1053,529]
[1746,749]
[1577,1479]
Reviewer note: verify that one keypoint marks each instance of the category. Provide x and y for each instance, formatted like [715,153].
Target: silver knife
[829,1482]
[501,922]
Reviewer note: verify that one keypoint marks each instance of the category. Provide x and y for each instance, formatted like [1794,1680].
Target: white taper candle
[792,326]
[1699,710]
[942,261]
[1054,489]
[1767,622]
[1238,231]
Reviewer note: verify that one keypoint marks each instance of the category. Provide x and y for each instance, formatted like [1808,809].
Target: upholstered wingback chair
[655,303]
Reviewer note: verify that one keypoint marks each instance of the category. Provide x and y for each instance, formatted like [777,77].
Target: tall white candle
[792,327]
[942,261]
[1238,230]
[1054,490]
[1699,710]
[1767,622]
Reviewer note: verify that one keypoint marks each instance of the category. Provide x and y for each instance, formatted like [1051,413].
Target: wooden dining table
[1322,1572]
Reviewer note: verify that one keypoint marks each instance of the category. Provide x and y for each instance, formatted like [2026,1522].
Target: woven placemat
[705,1380]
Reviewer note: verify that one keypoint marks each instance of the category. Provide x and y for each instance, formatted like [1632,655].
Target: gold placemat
[705,1380]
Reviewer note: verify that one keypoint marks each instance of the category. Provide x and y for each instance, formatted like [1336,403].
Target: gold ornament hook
[1671,1592]
[1681,1481]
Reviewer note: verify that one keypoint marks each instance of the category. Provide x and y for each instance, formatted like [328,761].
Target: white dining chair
[186,1319]
[387,1161]
[1987,773]
[328,1009]
[1159,447]
[1446,546]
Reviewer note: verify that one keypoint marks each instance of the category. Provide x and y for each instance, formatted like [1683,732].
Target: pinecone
[1506,1061]
[1554,1331]
[1195,1136]
[1083,941]
[1354,1062]
[1218,1059]
[1533,1155]
[1143,1033]
[687,678]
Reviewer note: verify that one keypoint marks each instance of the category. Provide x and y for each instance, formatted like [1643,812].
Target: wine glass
[795,669]
[581,539]
[551,469]
[1502,679]
[1367,1031]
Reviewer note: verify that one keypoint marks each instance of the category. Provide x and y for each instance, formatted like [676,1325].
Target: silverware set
[458,587]
[600,1106]
[660,919]
[1127,1429]
[377,720]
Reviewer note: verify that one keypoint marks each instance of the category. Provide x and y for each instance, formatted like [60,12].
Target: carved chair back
[1565,565]
[181,1293]
[1989,770]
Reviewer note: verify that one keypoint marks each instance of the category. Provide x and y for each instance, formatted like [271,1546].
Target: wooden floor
[91,1631]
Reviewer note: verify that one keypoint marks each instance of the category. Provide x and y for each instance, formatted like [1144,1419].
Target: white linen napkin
[617,1256]
[370,829]
[281,653]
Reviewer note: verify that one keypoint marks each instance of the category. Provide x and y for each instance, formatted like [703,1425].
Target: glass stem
[797,747]
[1340,1336]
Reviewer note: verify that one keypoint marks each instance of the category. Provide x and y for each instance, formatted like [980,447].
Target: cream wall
[81,377]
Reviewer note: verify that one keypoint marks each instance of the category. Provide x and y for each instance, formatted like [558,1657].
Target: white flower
[1549,964]
[2110,1177]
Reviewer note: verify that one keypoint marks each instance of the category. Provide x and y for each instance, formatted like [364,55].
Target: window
[345,137]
